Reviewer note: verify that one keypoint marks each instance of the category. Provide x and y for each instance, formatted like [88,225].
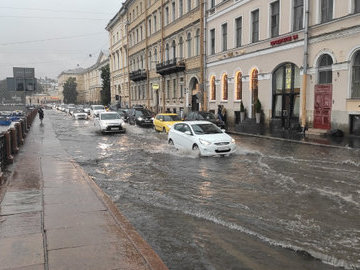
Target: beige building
[119,77]
[89,82]
[163,53]
[303,66]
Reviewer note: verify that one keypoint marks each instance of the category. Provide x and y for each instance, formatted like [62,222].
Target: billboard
[20,72]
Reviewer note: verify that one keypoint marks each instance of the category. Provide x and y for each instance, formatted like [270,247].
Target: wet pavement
[275,204]
[53,216]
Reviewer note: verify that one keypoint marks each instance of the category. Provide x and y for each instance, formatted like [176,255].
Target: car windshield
[99,107]
[142,113]
[79,111]
[109,116]
[201,129]
[171,118]
[206,116]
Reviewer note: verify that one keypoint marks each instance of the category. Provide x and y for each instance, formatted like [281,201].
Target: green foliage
[70,93]
[105,91]
[258,106]
[242,108]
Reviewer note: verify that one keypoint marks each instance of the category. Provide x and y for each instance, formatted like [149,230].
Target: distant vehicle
[96,109]
[201,136]
[140,117]
[87,109]
[109,122]
[164,121]
[80,114]
[70,109]
[205,116]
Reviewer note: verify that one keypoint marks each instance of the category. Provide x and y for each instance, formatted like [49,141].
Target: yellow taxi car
[164,121]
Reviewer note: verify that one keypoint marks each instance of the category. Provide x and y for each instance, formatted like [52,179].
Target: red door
[322,106]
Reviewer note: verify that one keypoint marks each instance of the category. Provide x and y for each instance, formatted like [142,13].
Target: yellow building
[79,78]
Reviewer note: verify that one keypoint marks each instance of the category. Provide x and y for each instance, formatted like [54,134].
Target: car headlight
[232,140]
[204,142]
[122,124]
[169,126]
[140,119]
[152,118]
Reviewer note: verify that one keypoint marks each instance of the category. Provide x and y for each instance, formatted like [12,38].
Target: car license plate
[223,148]
[114,128]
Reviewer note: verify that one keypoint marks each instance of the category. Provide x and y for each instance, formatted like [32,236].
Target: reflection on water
[272,205]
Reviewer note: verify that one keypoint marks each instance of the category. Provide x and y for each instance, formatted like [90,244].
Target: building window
[166,15]
[174,88]
[149,27]
[357,6]
[274,19]
[224,36]
[225,89]
[189,5]
[238,85]
[325,69]
[155,56]
[149,61]
[189,45]
[212,3]
[155,22]
[181,48]
[181,90]
[181,7]
[255,26]
[167,89]
[212,41]
[238,30]
[298,14]
[167,52]
[355,89]
[212,88]
[173,48]
[141,33]
[326,10]
[197,41]
[173,10]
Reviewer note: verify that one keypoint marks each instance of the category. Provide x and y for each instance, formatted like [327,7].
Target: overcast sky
[53,35]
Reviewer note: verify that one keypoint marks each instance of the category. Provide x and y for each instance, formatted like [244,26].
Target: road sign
[155,86]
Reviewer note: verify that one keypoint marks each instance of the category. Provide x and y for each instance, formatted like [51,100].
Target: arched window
[325,69]
[189,45]
[212,88]
[225,89]
[173,47]
[167,52]
[181,48]
[197,41]
[238,86]
[355,89]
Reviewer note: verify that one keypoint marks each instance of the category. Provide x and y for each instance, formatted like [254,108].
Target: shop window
[238,85]
[325,69]
[225,88]
[355,87]
[212,88]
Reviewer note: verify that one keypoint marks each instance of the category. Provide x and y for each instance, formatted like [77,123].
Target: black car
[122,112]
[205,116]
[140,117]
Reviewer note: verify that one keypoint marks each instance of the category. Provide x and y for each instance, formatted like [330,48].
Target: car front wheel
[171,142]
[195,147]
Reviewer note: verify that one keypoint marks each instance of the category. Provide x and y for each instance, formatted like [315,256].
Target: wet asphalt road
[272,205]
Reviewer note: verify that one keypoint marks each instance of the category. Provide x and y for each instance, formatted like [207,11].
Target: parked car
[109,122]
[164,121]
[140,117]
[201,136]
[87,109]
[80,114]
[205,116]
[96,109]
[71,109]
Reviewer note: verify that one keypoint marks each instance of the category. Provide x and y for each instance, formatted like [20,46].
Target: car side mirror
[223,130]
[188,132]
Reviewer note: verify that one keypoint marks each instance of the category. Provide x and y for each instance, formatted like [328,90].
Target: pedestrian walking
[219,113]
[41,114]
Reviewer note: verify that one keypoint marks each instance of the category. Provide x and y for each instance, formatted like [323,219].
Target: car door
[176,134]
[157,122]
[186,139]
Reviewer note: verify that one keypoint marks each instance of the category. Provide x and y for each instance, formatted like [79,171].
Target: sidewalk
[53,216]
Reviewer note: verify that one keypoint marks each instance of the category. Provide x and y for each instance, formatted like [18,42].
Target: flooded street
[272,205]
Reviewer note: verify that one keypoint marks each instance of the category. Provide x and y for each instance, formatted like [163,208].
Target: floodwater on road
[272,205]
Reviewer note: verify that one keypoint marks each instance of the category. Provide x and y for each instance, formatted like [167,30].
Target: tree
[105,91]
[70,93]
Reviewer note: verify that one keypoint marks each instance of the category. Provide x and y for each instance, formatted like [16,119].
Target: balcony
[170,66]
[138,75]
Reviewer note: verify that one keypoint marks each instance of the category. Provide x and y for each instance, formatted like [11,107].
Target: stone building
[300,58]
[165,63]
[78,74]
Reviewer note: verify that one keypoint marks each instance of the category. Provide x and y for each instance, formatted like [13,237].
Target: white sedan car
[96,109]
[109,122]
[80,114]
[201,136]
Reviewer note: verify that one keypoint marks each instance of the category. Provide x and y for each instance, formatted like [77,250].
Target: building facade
[119,77]
[165,63]
[78,74]
[300,58]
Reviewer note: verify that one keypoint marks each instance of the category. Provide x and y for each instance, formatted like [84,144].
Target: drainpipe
[202,55]
[127,54]
[305,66]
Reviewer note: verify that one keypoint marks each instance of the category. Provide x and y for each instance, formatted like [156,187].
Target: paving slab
[20,224]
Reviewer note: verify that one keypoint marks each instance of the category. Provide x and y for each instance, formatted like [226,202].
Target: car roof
[110,112]
[195,122]
[167,114]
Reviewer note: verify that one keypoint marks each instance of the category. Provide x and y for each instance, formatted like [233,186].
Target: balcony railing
[170,66]
[138,75]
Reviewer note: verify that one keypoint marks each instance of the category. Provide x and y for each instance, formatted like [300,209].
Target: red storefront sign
[284,39]
[322,106]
